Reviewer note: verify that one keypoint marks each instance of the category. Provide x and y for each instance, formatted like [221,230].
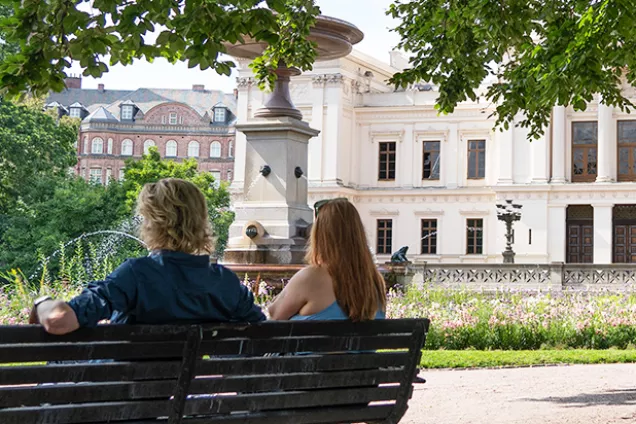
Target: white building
[411,172]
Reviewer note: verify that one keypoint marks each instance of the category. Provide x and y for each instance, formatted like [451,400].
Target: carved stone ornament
[243,82]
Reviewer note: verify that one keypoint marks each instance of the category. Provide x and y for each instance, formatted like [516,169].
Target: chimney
[100,87]
[236,93]
[73,81]
[198,87]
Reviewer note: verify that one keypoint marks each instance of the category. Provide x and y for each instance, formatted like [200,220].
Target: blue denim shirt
[167,288]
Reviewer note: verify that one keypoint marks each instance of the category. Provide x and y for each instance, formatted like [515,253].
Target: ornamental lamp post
[508,213]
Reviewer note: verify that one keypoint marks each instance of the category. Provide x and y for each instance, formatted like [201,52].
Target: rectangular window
[584,151]
[217,178]
[172,119]
[387,161]
[127,113]
[626,150]
[219,114]
[429,237]
[431,157]
[163,119]
[385,236]
[96,175]
[109,175]
[229,175]
[476,159]
[475,236]
[75,112]
[122,174]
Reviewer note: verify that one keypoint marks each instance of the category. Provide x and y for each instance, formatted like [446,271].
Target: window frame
[172,121]
[427,240]
[93,177]
[631,159]
[191,145]
[384,236]
[478,175]
[169,144]
[131,144]
[213,146]
[223,113]
[477,245]
[148,144]
[584,177]
[75,112]
[125,111]
[438,161]
[101,146]
[389,157]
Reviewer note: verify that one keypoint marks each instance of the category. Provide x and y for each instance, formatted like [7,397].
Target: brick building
[120,124]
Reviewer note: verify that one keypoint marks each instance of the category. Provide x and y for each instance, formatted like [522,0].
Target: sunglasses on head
[319,204]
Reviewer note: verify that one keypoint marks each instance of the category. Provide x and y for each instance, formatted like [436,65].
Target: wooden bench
[322,372]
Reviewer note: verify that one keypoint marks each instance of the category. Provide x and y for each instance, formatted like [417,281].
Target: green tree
[51,33]
[32,146]
[539,53]
[6,48]
[55,209]
[152,168]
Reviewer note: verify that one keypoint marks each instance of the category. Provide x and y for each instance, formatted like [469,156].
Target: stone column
[505,140]
[539,150]
[556,230]
[273,216]
[605,141]
[603,234]
[558,145]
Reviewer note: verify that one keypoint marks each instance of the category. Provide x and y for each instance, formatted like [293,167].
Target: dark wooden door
[580,248]
[624,243]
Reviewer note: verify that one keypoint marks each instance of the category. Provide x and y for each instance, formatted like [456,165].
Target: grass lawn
[501,358]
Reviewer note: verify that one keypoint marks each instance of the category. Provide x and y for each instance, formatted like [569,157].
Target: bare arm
[56,317]
[294,296]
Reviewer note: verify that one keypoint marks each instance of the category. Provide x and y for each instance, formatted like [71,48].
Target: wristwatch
[41,300]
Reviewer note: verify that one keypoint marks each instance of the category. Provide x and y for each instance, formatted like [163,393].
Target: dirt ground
[578,394]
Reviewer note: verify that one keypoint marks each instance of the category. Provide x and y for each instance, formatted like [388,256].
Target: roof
[144,98]
[101,115]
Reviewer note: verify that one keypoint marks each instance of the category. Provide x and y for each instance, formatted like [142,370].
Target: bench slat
[263,330]
[155,350]
[291,416]
[135,371]
[109,392]
[210,406]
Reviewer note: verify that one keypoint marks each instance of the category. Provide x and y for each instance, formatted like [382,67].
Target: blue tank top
[331,312]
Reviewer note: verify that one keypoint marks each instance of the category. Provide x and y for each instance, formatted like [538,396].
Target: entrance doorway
[580,234]
[624,234]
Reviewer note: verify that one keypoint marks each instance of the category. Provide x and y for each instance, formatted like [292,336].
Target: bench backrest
[271,372]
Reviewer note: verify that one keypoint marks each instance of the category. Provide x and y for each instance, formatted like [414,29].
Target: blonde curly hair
[175,217]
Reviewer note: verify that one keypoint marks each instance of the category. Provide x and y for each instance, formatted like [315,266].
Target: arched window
[97,146]
[127,147]
[171,149]
[215,149]
[147,145]
[193,149]
[109,150]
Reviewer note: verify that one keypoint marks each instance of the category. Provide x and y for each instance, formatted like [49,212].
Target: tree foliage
[52,33]
[539,53]
[32,146]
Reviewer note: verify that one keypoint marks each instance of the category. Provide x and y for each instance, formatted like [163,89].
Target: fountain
[273,218]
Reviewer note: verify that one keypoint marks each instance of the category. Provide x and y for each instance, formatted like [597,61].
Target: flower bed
[460,319]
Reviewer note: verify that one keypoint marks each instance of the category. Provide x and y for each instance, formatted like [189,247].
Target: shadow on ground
[609,397]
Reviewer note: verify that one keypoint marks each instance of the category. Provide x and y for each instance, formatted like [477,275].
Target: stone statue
[399,257]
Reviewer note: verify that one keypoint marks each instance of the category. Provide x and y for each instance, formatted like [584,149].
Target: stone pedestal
[273,217]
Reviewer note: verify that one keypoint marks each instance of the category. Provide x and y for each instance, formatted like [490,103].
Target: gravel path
[578,394]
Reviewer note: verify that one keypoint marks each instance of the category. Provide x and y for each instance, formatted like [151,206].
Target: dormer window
[172,118]
[219,114]
[127,113]
[75,112]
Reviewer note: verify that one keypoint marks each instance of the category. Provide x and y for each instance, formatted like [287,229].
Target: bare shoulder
[311,275]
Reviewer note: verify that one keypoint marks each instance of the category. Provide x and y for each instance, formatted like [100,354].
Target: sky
[368,15]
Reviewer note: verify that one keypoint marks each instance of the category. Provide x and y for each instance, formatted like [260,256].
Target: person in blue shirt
[175,284]
[341,281]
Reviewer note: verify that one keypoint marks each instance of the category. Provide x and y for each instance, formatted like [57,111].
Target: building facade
[431,182]
[118,125]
